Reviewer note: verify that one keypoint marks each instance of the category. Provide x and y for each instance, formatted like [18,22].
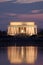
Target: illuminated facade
[29,28]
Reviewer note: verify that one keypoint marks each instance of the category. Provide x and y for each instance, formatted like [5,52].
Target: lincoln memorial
[29,28]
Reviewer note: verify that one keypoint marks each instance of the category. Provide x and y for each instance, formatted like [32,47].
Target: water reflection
[27,54]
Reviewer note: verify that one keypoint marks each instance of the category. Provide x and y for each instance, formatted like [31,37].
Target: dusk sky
[21,10]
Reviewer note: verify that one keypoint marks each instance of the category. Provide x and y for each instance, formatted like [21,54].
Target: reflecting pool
[27,54]
[21,55]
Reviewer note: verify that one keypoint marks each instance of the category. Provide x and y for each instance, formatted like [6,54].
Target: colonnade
[29,30]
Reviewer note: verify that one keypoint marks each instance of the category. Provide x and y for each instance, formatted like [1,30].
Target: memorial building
[29,28]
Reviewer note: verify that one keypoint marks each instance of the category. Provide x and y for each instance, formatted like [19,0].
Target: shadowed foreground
[21,40]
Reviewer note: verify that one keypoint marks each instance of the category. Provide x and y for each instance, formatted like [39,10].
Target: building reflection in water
[26,54]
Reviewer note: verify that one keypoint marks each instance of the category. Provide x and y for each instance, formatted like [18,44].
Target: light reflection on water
[27,54]
[32,57]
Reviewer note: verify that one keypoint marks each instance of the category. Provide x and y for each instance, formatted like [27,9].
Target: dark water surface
[28,55]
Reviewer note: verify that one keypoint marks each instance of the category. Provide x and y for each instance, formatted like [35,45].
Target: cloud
[27,1]
[21,8]
[4,0]
[8,17]
[36,11]
[30,16]
[25,16]
[10,14]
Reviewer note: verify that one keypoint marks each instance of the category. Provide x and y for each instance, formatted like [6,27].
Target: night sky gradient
[21,10]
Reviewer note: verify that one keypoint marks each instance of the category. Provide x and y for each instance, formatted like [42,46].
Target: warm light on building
[29,28]
[26,54]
